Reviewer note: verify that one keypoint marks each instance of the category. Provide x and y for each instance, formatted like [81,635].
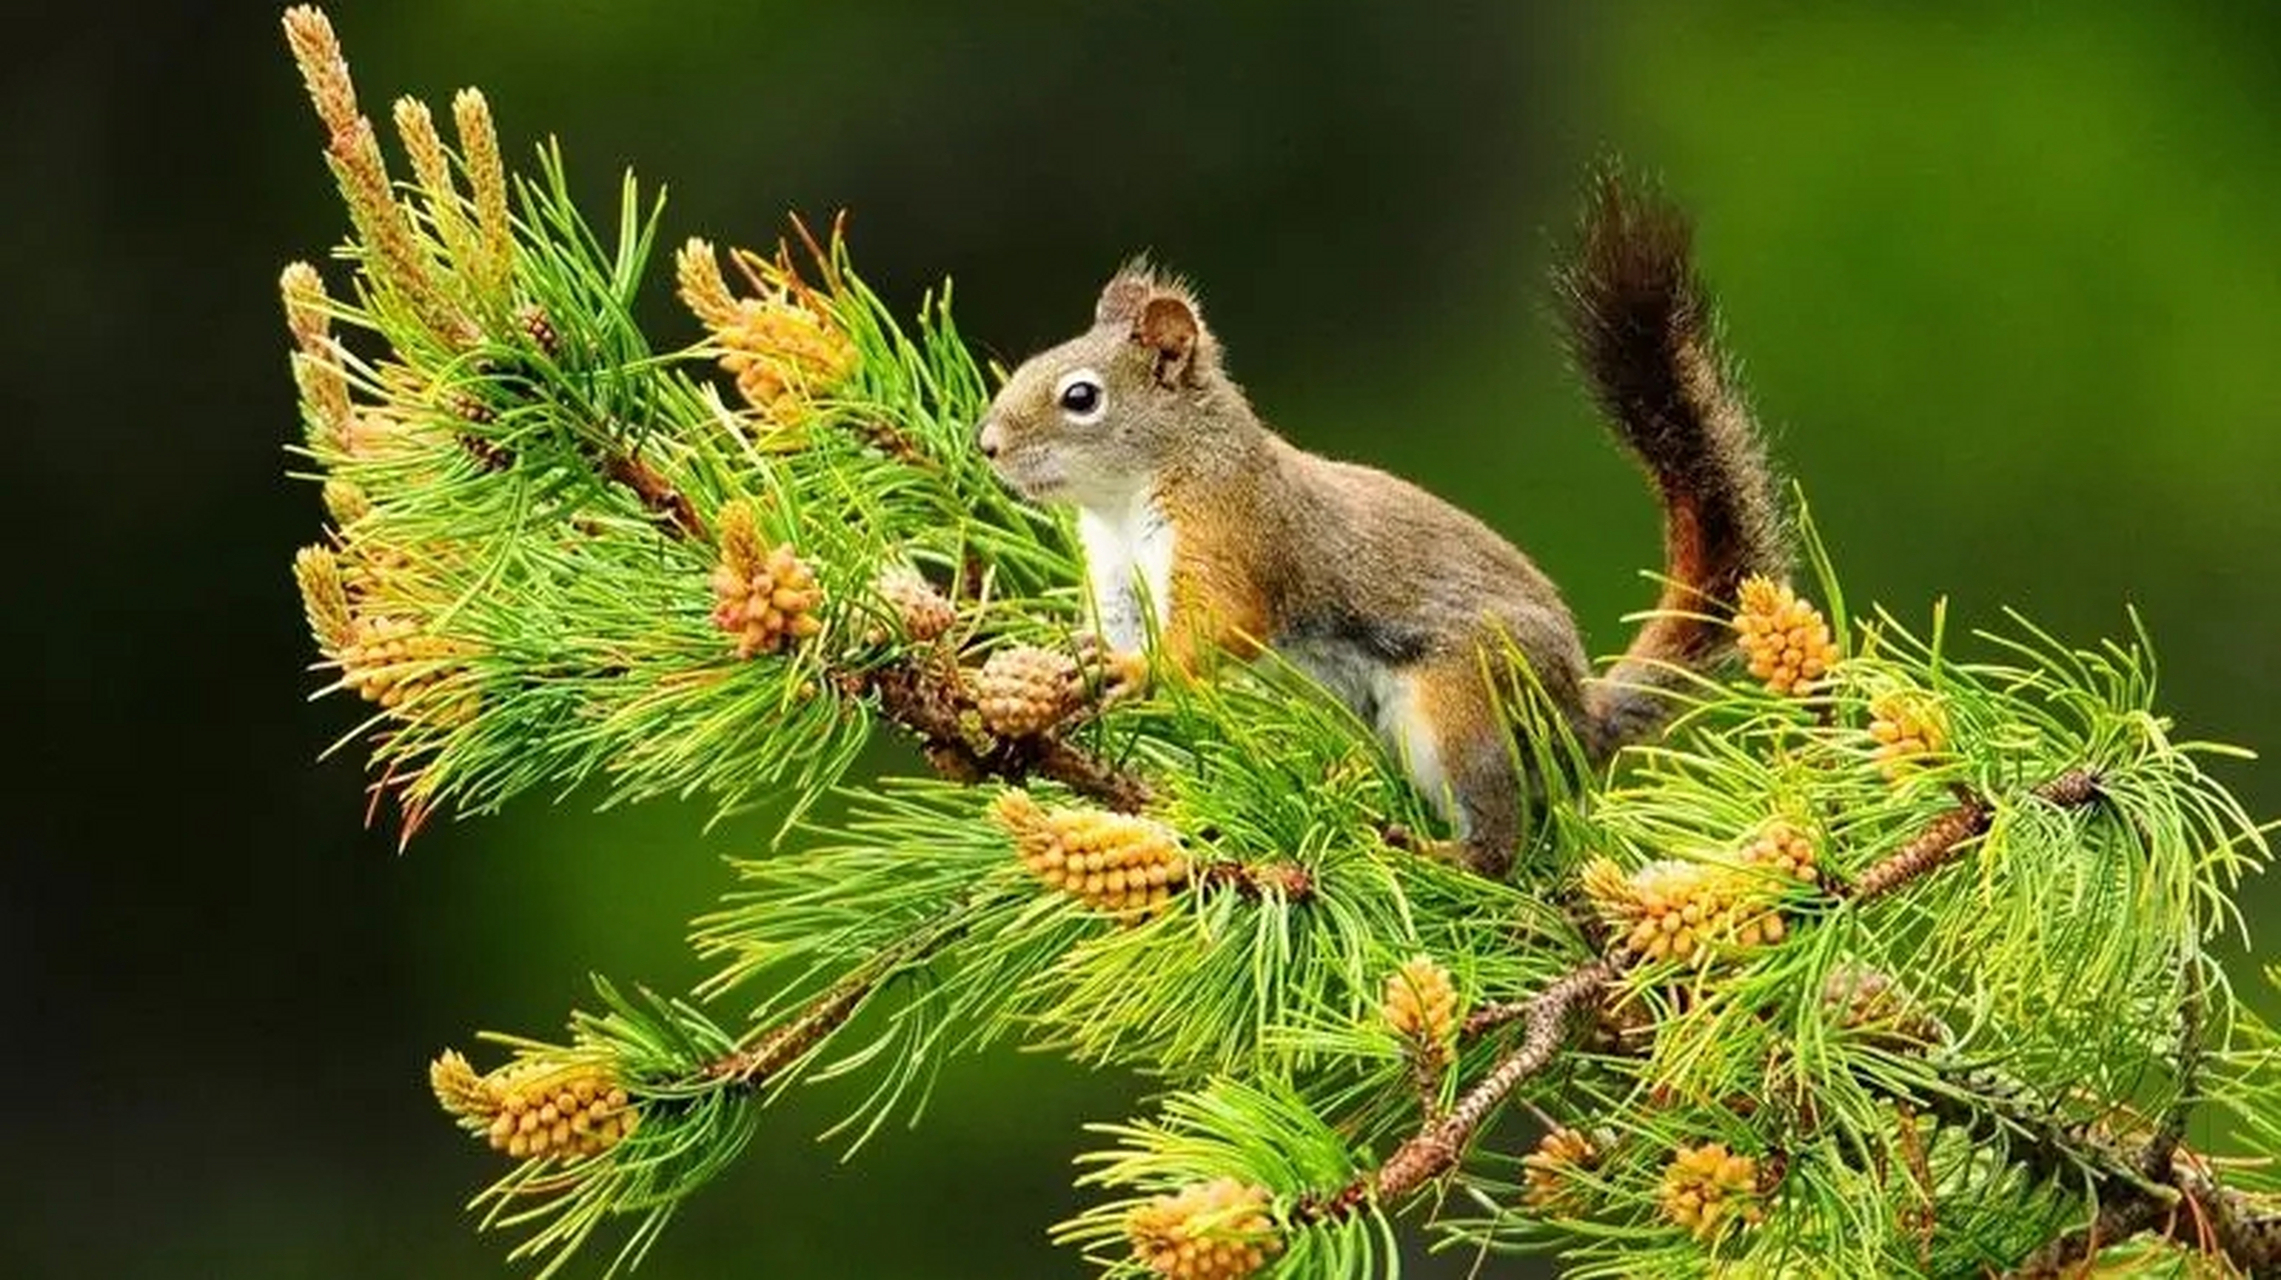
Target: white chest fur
[1128,568]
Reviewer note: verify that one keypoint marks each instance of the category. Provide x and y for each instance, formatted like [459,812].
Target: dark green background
[2005,282]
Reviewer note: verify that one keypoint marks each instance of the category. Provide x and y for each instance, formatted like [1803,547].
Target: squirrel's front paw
[1112,675]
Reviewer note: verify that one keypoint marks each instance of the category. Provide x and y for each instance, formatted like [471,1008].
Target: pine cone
[1785,639]
[1706,1189]
[1909,730]
[536,1109]
[768,604]
[1024,691]
[1786,849]
[1113,862]
[925,612]
[1549,1182]
[1870,1003]
[1218,1230]
[1682,910]
[393,663]
[1420,1003]
[539,328]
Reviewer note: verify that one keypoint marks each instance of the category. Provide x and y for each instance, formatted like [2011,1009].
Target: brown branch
[2183,1201]
[2191,1209]
[2162,1150]
[1436,1147]
[1441,1142]
[783,1044]
[1922,1217]
[671,507]
[894,442]
[1491,1016]
[2165,1189]
[1294,882]
[1947,836]
[934,704]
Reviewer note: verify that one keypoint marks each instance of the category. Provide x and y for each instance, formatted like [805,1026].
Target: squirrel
[1203,526]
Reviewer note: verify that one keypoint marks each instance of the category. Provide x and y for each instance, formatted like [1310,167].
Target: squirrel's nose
[986,438]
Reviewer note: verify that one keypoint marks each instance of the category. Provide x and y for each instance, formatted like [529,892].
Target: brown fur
[1641,328]
[1387,594]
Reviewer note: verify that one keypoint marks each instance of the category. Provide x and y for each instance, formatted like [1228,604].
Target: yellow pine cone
[1112,862]
[459,1088]
[1218,1230]
[1548,1174]
[393,663]
[765,600]
[345,503]
[1784,848]
[1025,690]
[925,612]
[1909,729]
[324,597]
[785,346]
[534,1108]
[1421,1002]
[1785,639]
[1707,1189]
[1686,911]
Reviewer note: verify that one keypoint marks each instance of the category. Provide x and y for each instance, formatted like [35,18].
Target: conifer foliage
[1893,957]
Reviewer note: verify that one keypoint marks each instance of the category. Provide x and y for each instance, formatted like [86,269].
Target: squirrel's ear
[1167,327]
[1122,299]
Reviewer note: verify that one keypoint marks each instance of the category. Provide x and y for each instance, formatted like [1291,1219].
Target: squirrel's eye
[1081,397]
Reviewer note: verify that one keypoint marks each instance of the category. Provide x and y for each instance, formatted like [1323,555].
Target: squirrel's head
[1095,420]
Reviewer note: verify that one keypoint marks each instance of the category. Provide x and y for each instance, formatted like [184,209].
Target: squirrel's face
[1094,420]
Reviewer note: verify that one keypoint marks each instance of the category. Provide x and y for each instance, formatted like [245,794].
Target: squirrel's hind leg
[1440,718]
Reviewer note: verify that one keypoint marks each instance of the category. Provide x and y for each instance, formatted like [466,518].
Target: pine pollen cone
[1112,862]
[764,600]
[1909,729]
[1686,911]
[1023,691]
[1785,849]
[784,346]
[537,1108]
[1707,1189]
[1217,1230]
[1549,1173]
[1785,639]
[1420,1003]
[396,664]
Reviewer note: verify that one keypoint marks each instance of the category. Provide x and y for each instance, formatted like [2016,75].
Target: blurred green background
[2005,278]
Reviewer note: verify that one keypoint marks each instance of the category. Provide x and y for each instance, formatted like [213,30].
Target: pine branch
[2182,1202]
[1436,1148]
[1947,837]
[1225,884]
[932,702]
[675,513]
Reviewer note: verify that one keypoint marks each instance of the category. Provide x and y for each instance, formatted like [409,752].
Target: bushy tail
[1640,328]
